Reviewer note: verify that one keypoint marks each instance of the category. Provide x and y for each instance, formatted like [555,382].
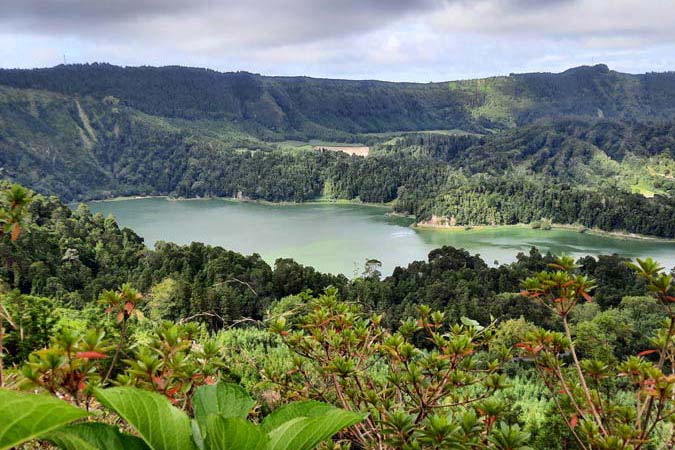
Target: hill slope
[284,107]
[98,131]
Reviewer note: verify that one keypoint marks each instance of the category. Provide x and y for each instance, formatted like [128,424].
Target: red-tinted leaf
[574,420]
[171,392]
[587,296]
[159,382]
[120,316]
[91,355]
[647,352]
[128,306]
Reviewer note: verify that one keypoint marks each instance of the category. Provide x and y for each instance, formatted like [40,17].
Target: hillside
[284,107]
[99,131]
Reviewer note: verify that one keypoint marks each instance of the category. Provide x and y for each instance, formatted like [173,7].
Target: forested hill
[306,107]
[99,131]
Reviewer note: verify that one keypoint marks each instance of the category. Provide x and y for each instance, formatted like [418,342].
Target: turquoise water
[338,238]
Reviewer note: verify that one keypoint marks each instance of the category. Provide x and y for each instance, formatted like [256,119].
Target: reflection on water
[339,238]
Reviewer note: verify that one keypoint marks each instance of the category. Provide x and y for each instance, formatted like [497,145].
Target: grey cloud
[638,21]
[392,39]
[218,23]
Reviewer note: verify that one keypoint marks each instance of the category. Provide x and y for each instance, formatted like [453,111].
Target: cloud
[636,22]
[414,40]
[208,24]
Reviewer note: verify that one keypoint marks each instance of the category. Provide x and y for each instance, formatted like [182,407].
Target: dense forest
[503,150]
[451,352]
[301,106]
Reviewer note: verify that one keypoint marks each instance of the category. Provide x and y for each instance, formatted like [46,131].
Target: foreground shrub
[426,386]
[607,405]
[219,422]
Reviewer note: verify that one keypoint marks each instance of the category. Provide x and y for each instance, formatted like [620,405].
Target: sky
[397,40]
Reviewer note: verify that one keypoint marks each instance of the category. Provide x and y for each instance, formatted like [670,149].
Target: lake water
[338,238]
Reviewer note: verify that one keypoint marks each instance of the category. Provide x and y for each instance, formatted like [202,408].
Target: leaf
[223,399]
[27,416]
[160,425]
[91,355]
[197,434]
[294,410]
[469,322]
[94,436]
[647,352]
[305,433]
[233,433]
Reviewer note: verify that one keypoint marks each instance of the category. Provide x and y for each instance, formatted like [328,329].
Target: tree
[12,217]
[588,393]
[123,305]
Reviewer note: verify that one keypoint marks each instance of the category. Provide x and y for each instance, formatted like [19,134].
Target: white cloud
[415,40]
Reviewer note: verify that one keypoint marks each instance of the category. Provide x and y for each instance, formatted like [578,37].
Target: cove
[338,238]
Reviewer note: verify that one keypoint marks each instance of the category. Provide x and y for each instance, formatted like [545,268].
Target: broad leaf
[222,399]
[294,410]
[197,434]
[94,436]
[305,433]
[233,433]
[27,416]
[161,425]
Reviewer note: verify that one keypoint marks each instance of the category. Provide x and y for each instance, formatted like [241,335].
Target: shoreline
[319,201]
[425,226]
[622,235]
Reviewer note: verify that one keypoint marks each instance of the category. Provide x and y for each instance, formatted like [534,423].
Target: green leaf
[471,323]
[27,416]
[223,399]
[233,433]
[294,410]
[197,434]
[305,433]
[94,436]
[161,425]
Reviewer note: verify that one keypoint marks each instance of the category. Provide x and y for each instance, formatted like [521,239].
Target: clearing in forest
[351,150]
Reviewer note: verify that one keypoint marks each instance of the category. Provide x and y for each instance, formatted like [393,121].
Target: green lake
[340,237]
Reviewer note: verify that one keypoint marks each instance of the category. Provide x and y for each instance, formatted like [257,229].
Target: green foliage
[72,258]
[96,140]
[70,366]
[605,403]
[25,417]
[417,397]
[161,426]
[93,436]
[224,400]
